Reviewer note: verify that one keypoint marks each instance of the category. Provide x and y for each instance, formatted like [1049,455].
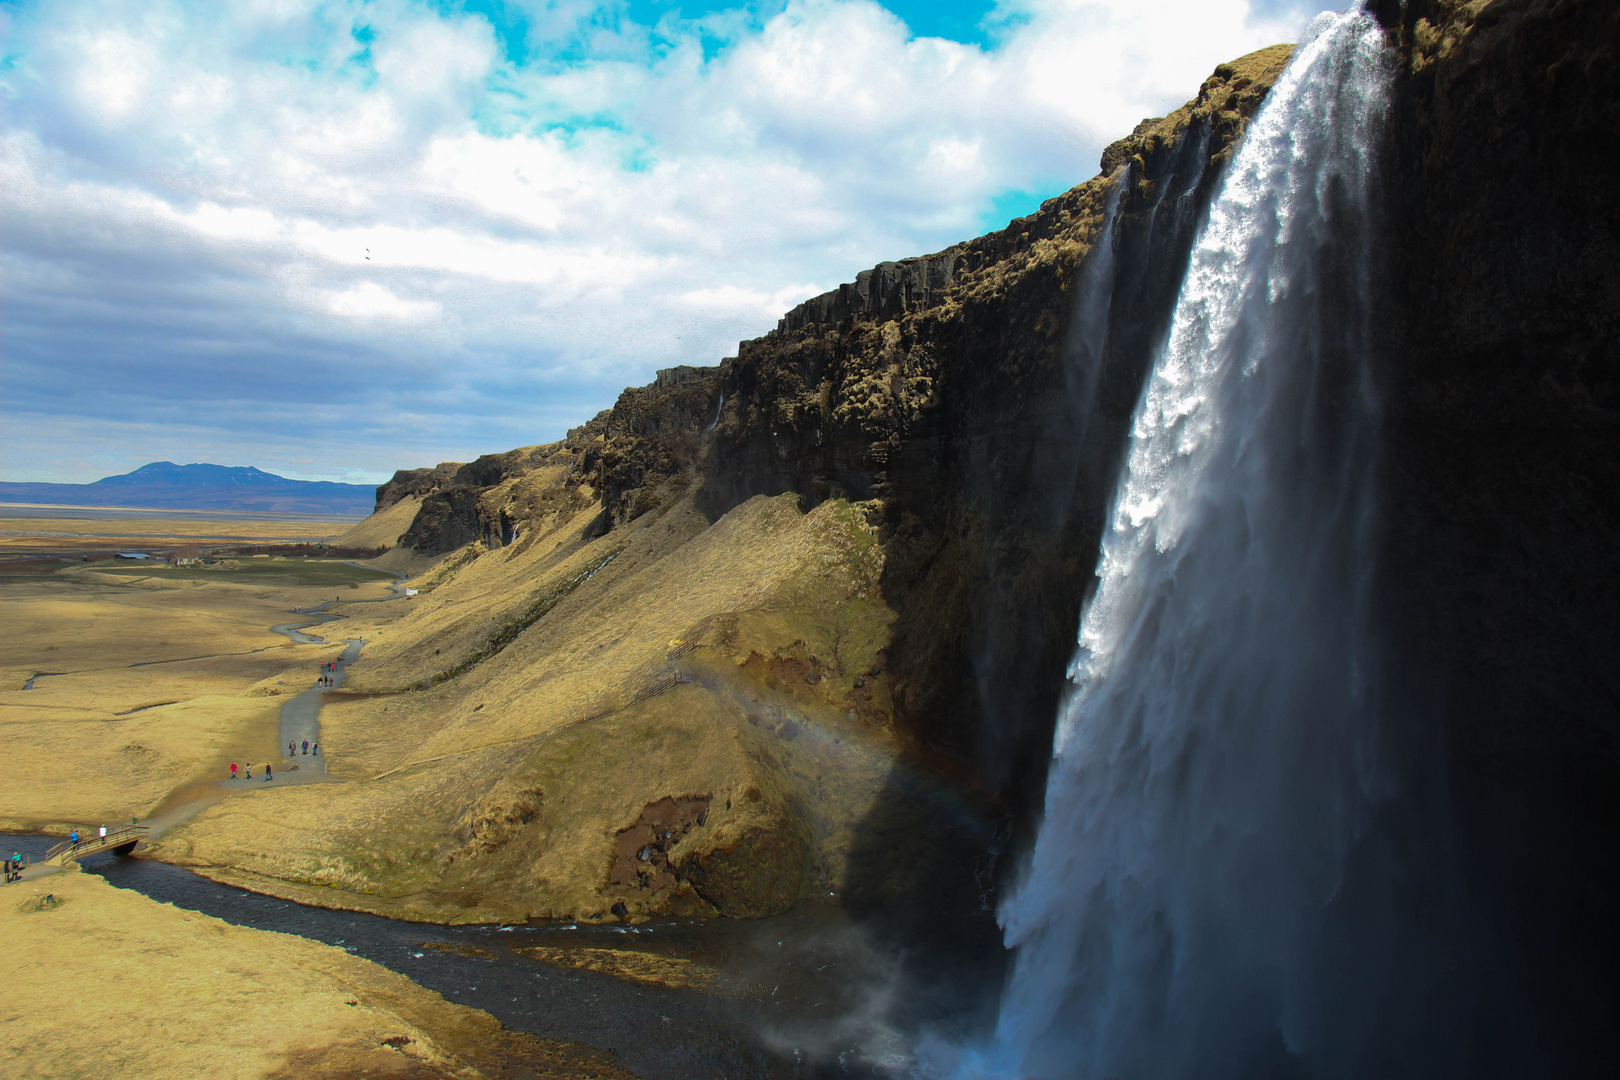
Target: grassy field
[31,531]
[149,681]
[258,572]
[104,982]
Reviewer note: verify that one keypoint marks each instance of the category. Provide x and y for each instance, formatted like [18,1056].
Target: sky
[334,238]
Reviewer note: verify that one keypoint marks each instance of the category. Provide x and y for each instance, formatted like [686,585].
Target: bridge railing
[117,836]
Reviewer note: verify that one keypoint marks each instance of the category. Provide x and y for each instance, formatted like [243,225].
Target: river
[799,995]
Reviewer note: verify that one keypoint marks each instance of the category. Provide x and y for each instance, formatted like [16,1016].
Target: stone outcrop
[419,482]
[638,455]
[629,459]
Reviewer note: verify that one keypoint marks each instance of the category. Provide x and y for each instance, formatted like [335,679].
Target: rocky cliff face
[975,404]
[969,409]
[926,455]
[1502,471]
[418,482]
[948,397]
[630,459]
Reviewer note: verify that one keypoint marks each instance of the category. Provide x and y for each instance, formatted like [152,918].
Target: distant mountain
[165,485]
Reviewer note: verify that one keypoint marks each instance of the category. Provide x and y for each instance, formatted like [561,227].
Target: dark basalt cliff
[949,398]
[974,405]
[961,401]
[1502,470]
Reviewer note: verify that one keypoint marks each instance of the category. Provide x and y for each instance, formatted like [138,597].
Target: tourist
[250,771]
[269,773]
[233,770]
[317,749]
[306,746]
[290,750]
[74,837]
[103,833]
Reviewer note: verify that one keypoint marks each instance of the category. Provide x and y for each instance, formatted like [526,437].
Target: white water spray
[1213,892]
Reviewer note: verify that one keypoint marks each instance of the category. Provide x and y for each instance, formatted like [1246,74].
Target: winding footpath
[299,720]
[300,716]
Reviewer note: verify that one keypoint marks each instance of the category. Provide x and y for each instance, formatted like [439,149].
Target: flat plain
[29,530]
[127,685]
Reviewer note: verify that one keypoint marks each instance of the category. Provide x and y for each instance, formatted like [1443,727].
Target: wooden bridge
[119,838]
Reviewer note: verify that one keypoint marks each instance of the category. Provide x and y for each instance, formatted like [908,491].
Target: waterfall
[1226,880]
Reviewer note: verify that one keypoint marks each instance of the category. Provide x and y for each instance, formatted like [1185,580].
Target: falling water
[1224,883]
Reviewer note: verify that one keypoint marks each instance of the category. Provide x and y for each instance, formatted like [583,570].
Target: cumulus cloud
[334,238]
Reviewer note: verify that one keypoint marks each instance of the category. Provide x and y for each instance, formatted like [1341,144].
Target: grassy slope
[670,659]
[541,705]
[381,530]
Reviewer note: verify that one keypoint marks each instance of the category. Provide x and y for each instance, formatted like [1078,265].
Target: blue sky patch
[957,20]
[1015,204]
[509,21]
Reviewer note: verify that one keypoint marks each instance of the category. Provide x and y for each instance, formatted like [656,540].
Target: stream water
[798,995]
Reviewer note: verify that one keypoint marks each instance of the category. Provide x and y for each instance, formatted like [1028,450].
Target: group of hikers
[14,865]
[269,769]
[326,679]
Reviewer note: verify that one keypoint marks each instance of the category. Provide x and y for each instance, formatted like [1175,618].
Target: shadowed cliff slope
[949,399]
[873,530]
[752,634]
[1502,477]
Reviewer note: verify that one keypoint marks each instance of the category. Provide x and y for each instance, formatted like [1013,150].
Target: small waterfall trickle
[1230,877]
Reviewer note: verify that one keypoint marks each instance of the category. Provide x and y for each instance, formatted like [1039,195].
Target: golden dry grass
[673,658]
[108,983]
[82,770]
[650,969]
[60,530]
[381,530]
[60,625]
[505,726]
[162,683]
